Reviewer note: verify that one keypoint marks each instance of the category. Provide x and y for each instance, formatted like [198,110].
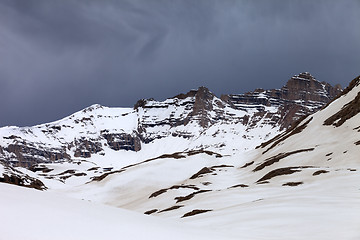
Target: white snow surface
[33,215]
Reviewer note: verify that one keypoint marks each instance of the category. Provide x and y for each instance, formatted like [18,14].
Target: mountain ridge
[194,114]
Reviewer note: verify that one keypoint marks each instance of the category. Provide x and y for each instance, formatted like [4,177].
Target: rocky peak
[201,94]
[202,105]
[198,103]
[305,87]
[302,95]
[203,100]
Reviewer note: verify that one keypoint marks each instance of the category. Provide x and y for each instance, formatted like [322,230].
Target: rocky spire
[202,105]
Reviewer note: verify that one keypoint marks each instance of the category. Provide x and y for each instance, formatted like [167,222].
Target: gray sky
[57,57]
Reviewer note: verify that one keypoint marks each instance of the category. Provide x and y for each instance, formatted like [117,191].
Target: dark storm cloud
[59,56]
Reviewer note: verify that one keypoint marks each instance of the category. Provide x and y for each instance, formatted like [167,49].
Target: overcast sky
[57,57]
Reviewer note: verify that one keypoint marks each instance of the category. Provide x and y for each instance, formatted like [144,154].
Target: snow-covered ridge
[195,120]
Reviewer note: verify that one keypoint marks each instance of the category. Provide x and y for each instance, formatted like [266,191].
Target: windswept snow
[33,215]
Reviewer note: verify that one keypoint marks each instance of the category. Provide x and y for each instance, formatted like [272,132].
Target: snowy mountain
[197,119]
[191,160]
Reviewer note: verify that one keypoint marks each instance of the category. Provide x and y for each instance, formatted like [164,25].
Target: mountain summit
[302,95]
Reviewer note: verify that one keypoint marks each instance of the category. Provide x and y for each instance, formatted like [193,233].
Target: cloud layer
[60,56]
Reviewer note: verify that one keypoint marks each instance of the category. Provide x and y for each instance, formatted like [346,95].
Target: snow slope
[33,215]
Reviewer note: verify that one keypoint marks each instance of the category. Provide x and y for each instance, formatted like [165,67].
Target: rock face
[302,95]
[86,146]
[26,154]
[305,87]
[179,116]
[122,141]
[203,105]
[192,116]
[10,175]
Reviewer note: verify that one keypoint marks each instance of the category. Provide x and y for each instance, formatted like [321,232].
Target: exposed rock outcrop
[11,175]
[85,147]
[25,155]
[203,105]
[302,95]
[122,141]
